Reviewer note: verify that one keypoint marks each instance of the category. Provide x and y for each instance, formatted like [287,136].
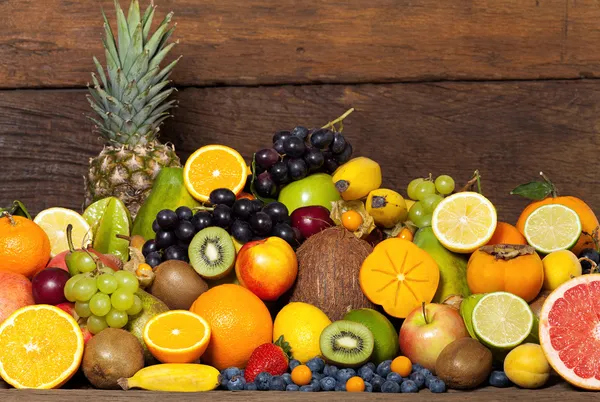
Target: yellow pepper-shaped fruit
[387,207]
[174,377]
[357,178]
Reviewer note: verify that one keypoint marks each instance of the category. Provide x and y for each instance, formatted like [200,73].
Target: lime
[552,227]
[466,311]
[502,320]
[108,218]
[386,336]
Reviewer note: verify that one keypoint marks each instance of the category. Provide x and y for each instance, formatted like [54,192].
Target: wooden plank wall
[504,86]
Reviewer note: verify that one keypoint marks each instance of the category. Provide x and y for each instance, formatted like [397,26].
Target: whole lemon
[559,267]
[301,325]
[526,366]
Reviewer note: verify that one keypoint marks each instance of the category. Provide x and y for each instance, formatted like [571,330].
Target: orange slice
[212,167]
[399,276]
[177,336]
[41,347]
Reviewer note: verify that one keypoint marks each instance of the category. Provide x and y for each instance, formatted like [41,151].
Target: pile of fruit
[299,272]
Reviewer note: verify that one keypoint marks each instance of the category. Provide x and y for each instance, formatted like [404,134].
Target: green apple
[316,189]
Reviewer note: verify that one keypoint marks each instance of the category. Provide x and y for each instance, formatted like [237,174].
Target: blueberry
[316,364]
[428,380]
[317,376]
[390,387]
[263,381]
[426,372]
[366,373]
[344,375]
[417,367]
[287,378]
[223,381]
[328,383]
[419,379]
[408,387]
[377,381]
[368,387]
[237,383]
[292,387]
[250,386]
[371,365]
[384,368]
[277,384]
[340,387]
[316,385]
[231,372]
[243,373]
[437,386]
[307,388]
[499,379]
[394,377]
[293,364]
[330,371]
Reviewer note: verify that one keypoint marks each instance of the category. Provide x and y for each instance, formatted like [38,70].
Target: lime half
[552,227]
[502,320]
[466,311]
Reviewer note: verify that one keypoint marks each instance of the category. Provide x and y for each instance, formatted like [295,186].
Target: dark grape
[339,143]
[183,244]
[279,173]
[164,239]
[278,146]
[153,259]
[281,135]
[202,220]
[592,255]
[248,185]
[222,216]
[277,211]
[149,247]
[242,209]
[297,169]
[330,165]
[285,232]
[241,231]
[261,223]
[300,132]
[155,226]
[166,219]
[294,147]
[267,157]
[345,155]
[185,231]
[314,159]
[257,205]
[184,213]
[222,196]
[321,138]
[176,253]
[265,186]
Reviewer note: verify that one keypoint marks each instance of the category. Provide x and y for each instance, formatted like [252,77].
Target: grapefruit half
[570,331]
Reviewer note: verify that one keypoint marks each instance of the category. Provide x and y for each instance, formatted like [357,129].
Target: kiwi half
[212,253]
[346,343]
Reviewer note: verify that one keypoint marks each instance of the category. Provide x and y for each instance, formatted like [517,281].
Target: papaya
[453,267]
[168,192]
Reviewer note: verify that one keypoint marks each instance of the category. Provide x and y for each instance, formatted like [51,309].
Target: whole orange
[239,322]
[24,246]
[589,221]
[506,233]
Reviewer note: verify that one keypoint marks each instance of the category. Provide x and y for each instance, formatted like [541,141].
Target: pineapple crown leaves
[130,97]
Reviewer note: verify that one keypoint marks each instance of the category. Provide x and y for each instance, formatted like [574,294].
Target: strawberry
[272,358]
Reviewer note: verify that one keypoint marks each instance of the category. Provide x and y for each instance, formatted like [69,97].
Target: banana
[453,267]
[174,378]
[387,207]
[357,178]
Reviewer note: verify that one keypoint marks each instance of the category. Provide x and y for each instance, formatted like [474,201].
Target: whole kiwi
[177,284]
[464,364]
[110,355]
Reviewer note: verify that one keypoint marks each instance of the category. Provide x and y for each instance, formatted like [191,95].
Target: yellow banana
[174,378]
[357,178]
[387,207]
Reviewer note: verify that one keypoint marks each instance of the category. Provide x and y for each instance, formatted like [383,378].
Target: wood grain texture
[50,43]
[509,131]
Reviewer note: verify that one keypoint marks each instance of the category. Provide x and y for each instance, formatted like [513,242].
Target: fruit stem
[476,179]
[70,237]
[123,237]
[9,216]
[592,263]
[203,208]
[339,119]
[424,313]
[547,180]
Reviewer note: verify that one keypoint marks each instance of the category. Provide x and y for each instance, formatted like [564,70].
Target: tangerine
[506,233]
[24,246]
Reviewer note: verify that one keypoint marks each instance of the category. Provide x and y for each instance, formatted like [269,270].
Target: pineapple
[130,100]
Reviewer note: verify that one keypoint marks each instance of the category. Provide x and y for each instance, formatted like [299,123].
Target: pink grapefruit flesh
[570,331]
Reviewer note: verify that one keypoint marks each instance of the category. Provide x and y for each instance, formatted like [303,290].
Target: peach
[15,292]
[268,268]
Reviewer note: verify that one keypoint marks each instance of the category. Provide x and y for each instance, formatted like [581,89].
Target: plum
[311,220]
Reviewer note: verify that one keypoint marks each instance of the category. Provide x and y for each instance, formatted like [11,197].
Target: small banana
[357,178]
[387,207]
[174,378]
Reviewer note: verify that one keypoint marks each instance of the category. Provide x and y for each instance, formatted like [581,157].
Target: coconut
[328,266]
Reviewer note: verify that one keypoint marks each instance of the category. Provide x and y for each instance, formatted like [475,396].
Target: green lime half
[552,227]
[502,320]
[108,218]
[466,311]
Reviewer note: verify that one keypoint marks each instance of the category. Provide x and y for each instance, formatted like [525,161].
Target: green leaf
[535,190]
[16,209]
[252,188]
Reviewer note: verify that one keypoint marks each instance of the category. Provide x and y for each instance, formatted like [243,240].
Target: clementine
[506,233]
[24,246]
[239,323]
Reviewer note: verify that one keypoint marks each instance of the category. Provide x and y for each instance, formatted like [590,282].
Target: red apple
[87,335]
[268,268]
[311,220]
[109,260]
[15,292]
[428,330]
[69,308]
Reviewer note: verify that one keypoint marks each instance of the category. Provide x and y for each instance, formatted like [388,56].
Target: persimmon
[506,233]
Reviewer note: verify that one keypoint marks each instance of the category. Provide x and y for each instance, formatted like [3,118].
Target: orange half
[41,347]
[177,336]
[212,167]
